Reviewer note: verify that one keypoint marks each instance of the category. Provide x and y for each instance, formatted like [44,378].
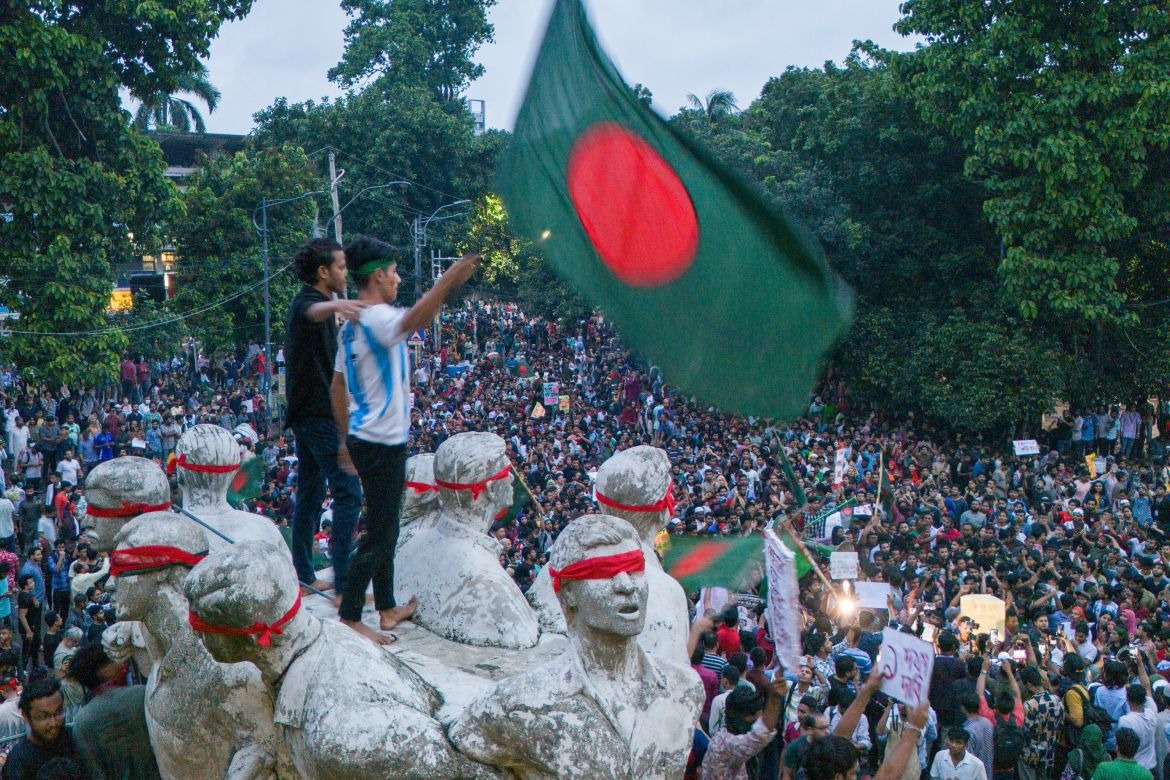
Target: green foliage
[1061,108]
[412,43]
[220,247]
[75,179]
[151,327]
[164,111]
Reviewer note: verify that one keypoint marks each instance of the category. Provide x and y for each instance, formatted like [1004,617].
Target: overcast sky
[285,47]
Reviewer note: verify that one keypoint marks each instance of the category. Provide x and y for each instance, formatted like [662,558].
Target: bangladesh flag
[731,300]
[735,563]
[247,482]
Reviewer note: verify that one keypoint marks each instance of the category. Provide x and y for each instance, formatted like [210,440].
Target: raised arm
[423,312]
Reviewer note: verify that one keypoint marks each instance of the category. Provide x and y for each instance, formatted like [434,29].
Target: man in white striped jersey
[371,403]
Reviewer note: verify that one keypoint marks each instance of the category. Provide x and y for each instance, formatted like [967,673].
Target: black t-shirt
[26,759]
[309,353]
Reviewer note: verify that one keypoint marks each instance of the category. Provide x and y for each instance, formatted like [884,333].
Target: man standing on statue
[310,349]
[371,404]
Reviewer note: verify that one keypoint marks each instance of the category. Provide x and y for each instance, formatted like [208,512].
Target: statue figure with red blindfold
[205,719]
[453,566]
[344,707]
[635,485]
[605,708]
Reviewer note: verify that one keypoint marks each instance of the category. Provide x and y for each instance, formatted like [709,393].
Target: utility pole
[416,234]
[334,179]
[267,306]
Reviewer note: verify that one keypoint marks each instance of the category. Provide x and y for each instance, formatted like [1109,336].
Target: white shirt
[48,529]
[1145,725]
[373,359]
[970,768]
[68,470]
[7,509]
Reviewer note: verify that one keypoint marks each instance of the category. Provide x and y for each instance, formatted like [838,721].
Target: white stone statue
[118,490]
[207,459]
[420,505]
[206,719]
[345,708]
[605,708]
[452,565]
[634,485]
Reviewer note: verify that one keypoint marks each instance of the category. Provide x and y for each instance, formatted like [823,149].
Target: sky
[674,47]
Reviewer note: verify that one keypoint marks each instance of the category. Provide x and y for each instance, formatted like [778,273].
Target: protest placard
[872,595]
[550,392]
[906,664]
[783,605]
[1026,447]
[988,611]
[843,565]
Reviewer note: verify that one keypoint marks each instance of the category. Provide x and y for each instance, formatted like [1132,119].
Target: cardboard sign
[987,611]
[549,393]
[907,663]
[563,403]
[1026,447]
[840,466]
[537,411]
[843,565]
[872,595]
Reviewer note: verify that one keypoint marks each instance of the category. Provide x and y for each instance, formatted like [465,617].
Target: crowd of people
[1074,683]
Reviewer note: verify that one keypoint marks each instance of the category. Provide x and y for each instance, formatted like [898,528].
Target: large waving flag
[733,302]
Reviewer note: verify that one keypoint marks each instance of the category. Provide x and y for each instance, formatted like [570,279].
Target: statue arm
[251,762]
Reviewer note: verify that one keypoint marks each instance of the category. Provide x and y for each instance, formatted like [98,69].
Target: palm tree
[719,103]
[166,111]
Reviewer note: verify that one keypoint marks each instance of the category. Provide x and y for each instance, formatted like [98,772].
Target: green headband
[368,267]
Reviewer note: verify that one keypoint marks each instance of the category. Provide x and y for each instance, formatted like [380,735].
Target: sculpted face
[100,531]
[133,594]
[613,606]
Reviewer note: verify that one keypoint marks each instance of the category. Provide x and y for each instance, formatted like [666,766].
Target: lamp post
[418,231]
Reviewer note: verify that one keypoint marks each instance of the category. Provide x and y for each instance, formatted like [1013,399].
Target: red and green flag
[247,482]
[735,563]
[699,275]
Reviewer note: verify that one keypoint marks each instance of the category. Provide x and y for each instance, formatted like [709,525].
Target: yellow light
[120,300]
[544,236]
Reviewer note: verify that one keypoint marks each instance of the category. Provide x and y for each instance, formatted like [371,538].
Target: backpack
[1092,712]
[1009,743]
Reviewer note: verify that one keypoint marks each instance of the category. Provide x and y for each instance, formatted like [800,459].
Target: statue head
[421,496]
[118,490]
[598,573]
[207,459]
[637,477]
[244,601]
[472,471]
[152,550]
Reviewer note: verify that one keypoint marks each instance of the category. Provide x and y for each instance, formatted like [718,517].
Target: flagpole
[881,470]
[528,490]
[795,537]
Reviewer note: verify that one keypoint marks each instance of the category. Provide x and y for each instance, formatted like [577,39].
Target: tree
[165,111]
[219,245]
[76,180]
[718,104]
[429,43]
[1061,108]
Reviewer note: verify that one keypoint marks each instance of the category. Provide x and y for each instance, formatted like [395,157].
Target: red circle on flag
[633,206]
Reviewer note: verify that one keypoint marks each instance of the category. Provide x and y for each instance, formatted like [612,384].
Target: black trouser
[382,470]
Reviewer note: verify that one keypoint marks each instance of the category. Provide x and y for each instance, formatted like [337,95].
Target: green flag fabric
[247,482]
[723,562]
[698,274]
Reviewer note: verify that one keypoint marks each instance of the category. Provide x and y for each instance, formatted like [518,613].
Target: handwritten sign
[843,565]
[563,403]
[988,611]
[906,665]
[1026,447]
[783,606]
[872,595]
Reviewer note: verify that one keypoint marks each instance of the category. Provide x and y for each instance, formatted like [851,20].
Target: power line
[156,323]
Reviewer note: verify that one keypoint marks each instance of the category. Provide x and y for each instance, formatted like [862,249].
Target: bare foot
[323,584]
[392,617]
[369,633]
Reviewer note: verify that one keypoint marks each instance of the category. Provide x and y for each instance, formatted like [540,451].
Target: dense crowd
[1075,547]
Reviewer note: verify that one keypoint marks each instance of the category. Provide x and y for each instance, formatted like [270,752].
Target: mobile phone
[1019,655]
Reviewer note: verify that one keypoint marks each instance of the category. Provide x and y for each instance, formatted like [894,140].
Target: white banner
[783,608]
[550,393]
[907,663]
[843,565]
[840,465]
